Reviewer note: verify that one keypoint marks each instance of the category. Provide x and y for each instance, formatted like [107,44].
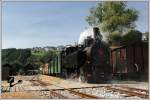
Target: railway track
[61,94]
[130,91]
[81,94]
[115,92]
[95,92]
[134,89]
[122,90]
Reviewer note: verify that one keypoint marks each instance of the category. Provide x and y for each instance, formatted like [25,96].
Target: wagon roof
[124,46]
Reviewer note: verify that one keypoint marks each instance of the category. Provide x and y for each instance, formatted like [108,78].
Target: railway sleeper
[130,93]
[134,89]
[60,96]
[83,95]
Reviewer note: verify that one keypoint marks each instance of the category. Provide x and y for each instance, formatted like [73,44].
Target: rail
[83,95]
[133,89]
[128,92]
[55,94]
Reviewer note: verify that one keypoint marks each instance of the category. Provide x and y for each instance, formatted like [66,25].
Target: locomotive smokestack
[97,34]
[96,30]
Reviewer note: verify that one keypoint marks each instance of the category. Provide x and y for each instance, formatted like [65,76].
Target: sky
[39,24]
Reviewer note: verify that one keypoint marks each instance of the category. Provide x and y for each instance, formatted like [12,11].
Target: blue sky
[31,24]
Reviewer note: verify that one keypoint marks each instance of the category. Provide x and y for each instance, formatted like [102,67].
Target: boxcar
[131,60]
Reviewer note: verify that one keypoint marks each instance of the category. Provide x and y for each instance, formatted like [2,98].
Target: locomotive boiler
[89,61]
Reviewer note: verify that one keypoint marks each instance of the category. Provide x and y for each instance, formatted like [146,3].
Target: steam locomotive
[88,61]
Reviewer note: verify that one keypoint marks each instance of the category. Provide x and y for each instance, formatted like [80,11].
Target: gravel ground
[68,94]
[57,83]
[103,92]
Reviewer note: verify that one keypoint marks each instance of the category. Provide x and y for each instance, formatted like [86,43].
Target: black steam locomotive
[89,61]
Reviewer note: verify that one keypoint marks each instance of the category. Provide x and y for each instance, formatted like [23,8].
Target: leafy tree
[40,58]
[48,56]
[11,56]
[115,39]
[132,36]
[21,59]
[112,16]
[16,58]
[24,55]
[16,67]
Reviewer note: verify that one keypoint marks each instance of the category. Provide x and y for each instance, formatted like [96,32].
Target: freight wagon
[130,61]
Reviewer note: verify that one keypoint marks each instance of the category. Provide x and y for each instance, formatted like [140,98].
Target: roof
[123,46]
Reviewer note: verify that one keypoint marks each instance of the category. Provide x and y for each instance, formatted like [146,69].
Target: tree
[38,59]
[16,58]
[11,56]
[115,39]
[112,16]
[132,36]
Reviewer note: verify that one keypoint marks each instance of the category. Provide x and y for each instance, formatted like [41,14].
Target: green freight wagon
[55,66]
